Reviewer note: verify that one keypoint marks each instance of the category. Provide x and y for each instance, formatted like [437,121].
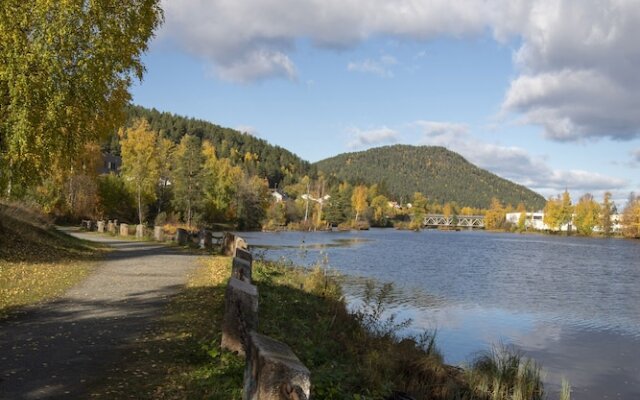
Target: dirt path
[56,350]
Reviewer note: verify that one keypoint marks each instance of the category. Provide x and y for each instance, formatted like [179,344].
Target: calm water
[571,303]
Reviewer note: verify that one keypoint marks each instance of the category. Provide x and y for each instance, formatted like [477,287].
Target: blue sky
[541,92]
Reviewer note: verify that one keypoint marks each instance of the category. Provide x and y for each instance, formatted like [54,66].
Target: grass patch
[37,262]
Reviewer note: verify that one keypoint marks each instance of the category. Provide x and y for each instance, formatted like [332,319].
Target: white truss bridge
[454,221]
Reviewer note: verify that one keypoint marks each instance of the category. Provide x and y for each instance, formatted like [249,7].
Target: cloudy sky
[543,92]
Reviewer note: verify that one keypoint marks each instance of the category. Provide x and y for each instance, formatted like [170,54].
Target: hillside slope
[37,262]
[440,174]
[270,161]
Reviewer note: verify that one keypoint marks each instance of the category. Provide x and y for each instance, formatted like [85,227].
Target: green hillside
[440,174]
[275,163]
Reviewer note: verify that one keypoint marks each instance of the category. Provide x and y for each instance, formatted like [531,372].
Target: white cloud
[248,129]
[577,62]
[258,65]
[439,130]
[578,68]
[635,154]
[372,137]
[514,163]
[247,39]
[379,67]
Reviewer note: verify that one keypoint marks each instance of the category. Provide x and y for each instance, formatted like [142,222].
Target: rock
[100,226]
[111,227]
[273,372]
[240,243]
[240,315]
[182,236]
[158,233]
[205,239]
[124,230]
[228,244]
[139,231]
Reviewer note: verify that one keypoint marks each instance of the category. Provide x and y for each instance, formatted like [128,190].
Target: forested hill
[277,164]
[440,174]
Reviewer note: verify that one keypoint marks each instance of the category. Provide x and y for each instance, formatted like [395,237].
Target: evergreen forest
[442,175]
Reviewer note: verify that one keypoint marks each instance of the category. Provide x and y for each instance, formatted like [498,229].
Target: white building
[535,221]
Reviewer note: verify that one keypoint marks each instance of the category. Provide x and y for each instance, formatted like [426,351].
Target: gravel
[58,349]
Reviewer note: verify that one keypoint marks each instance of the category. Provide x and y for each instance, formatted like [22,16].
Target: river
[572,304]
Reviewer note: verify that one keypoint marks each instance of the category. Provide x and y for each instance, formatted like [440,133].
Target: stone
[205,239]
[273,372]
[158,233]
[244,254]
[228,244]
[241,269]
[111,227]
[100,226]
[139,231]
[124,230]
[182,236]
[240,315]
[240,243]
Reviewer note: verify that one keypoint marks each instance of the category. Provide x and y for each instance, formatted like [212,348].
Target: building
[535,221]
[110,164]
[279,195]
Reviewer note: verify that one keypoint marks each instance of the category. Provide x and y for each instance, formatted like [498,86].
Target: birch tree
[140,167]
[187,177]
[587,215]
[64,78]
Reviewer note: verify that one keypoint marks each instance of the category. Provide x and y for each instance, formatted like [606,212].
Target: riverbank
[350,356]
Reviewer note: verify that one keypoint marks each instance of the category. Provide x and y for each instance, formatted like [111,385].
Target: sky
[545,93]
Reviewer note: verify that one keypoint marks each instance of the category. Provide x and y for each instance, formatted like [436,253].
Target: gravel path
[56,350]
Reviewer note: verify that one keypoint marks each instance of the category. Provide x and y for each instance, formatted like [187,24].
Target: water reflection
[572,303]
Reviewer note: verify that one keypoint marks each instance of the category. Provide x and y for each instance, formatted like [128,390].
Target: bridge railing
[465,221]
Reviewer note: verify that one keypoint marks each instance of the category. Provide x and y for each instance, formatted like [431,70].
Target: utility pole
[306,211]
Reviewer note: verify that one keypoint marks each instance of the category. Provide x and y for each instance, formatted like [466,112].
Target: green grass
[37,262]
